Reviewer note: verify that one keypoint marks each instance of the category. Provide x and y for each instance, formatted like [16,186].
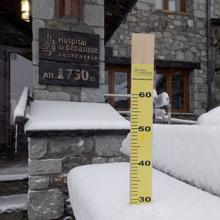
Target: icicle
[16,136]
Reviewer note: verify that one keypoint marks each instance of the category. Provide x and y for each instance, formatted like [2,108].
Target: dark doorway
[7,128]
[5,139]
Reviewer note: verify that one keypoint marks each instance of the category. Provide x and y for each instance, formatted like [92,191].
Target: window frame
[74,8]
[169,72]
[182,8]
[111,82]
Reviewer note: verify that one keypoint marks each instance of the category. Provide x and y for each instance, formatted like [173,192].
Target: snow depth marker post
[141,118]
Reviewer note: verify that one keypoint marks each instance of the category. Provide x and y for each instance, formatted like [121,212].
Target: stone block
[142,6]
[59,25]
[99,2]
[35,52]
[37,147]
[102,73]
[108,146]
[102,50]
[100,31]
[69,162]
[43,9]
[74,93]
[35,80]
[63,146]
[118,159]
[45,204]
[92,95]
[82,28]
[59,182]
[199,13]
[94,15]
[38,182]
[48,166]
[35,27]
[51,95]
[99,160]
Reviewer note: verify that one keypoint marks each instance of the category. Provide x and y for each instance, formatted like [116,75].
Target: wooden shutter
[182,5]
[73,8]
[166,4]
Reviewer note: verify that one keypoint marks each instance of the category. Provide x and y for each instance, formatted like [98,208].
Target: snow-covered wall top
[210,118]
[20,109]
[188,152]
[59,115]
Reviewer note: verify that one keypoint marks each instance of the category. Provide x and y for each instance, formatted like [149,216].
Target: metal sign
[68,46]
[68,58]
[68,74]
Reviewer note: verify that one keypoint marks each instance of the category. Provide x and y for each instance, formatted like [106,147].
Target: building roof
[13,30]
[116,12]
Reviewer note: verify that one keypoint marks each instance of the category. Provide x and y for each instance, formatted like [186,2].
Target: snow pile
[102,192]
[187,152]
[21,106]
[210,118]
[59,115]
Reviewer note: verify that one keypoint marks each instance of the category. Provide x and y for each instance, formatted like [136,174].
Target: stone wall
[44,16]
[216,53]
[215,8]
[52,157]
[179,37]
[216,64]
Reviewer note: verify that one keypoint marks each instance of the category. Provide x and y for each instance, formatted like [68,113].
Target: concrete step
[14,172]
[13,204]
[13,178]
[13,187]
[13,207]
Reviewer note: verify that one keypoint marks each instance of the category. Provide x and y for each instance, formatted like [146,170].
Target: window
[70,8]
[171,5]
[25,10]
[119,83]
[176,83]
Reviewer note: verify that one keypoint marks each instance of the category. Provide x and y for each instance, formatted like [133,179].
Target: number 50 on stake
[141,118]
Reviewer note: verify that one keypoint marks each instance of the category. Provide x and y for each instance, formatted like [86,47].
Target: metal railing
[161,104]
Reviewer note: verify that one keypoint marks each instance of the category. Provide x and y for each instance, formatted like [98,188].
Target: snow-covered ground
[101,192]
[210,118]
[58,115]
[187,152]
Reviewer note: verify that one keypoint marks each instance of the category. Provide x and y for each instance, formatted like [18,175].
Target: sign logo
[48,45]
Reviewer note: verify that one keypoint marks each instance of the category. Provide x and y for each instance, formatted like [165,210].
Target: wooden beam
[144,49]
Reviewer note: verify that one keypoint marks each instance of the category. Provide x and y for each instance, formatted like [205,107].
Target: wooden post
[141,118]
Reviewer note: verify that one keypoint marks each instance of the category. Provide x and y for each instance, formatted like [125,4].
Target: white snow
[13,203]
[59,115]
[101,192]
[21,106]
[13,177]
[175,120]
[187,152]
[12,172]
[210,118]
[161,100]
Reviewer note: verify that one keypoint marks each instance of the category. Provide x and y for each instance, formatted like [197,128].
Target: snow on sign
[68,58]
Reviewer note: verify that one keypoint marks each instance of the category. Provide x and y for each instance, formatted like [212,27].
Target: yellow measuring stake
[141,118]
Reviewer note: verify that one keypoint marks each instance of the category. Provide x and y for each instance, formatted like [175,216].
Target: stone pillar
[44,16]
[52,157]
